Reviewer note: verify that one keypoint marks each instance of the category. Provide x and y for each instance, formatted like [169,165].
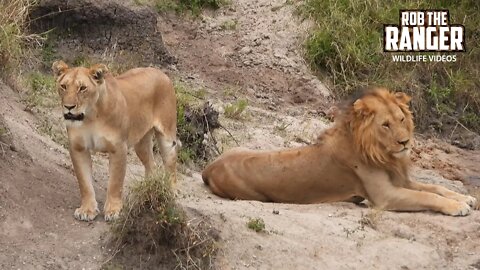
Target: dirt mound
[101,27]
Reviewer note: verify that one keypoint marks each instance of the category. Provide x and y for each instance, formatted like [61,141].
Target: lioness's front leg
[117,169]
[385,195]
[442,191]
[82,164]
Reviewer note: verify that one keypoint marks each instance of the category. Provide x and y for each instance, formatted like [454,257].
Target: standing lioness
[108,114]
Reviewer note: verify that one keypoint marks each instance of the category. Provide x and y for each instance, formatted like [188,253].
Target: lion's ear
[402,97]
[59,68]
[98,72]
[361,108]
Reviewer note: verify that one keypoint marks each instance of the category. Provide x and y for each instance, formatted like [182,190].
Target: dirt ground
[259,59]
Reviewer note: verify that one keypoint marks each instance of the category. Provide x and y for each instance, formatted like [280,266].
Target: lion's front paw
[472,201]
[458,209]
[85,213]
[112,211]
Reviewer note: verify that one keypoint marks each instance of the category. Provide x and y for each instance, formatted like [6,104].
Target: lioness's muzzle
[74,117]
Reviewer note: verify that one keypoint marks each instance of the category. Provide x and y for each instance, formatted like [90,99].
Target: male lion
[365,154]
[107,114]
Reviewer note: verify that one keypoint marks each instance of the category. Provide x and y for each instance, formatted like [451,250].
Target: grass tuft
[152,222]
[256,224]
[346,46]
[195,120]
[235,110]
[41,92]
[13,37]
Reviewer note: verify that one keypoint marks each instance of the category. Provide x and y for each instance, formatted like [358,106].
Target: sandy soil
[261,60]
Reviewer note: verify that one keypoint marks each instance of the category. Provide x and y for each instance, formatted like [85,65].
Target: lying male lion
[108,114]
[365,154]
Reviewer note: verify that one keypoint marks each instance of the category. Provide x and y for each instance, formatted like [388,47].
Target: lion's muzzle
[74,117]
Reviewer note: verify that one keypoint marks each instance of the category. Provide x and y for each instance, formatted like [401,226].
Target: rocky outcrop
[101,27]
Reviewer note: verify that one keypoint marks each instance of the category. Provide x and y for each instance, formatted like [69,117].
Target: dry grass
[13,38]
[154,231]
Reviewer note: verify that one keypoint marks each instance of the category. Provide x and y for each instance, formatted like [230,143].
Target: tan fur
[365,154]
[119,112]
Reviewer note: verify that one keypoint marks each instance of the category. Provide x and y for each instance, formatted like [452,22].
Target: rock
[87,26]
[246,50]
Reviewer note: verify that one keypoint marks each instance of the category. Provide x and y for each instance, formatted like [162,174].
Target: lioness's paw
[112,211]
[86,213]
[459,209]
[111,215]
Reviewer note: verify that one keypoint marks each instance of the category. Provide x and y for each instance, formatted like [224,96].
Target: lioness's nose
[69,107]
[404,142]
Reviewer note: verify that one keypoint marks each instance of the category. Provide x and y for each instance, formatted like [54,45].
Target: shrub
[347,44]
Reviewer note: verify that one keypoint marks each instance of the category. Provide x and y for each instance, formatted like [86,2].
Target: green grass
[346,48]
[256,224]
[235,110]
[229,25]
[188,99]
[3,129]
[41,92]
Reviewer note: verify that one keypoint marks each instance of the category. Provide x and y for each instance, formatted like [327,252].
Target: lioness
[364,155]
[107,114]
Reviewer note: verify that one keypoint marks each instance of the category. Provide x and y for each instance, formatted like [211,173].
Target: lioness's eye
[403,119]
[83,88]
[63,86]
[386,125]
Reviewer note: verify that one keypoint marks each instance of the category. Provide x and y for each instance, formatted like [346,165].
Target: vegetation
[41,91]
[229,25]
[151,221]
[13,17]
[256,224]
[347,44]
[236,109]
[195,121]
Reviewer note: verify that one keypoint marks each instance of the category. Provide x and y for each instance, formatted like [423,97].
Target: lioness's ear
[98,72]
[402,97]
[361,108]
[59,68]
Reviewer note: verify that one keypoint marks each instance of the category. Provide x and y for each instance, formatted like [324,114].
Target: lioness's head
[79,88]
[382,125]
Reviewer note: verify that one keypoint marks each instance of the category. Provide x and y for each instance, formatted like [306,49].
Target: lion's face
[383,125]
[79,89]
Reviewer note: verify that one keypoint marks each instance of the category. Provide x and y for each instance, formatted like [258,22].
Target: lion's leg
[144,150]
[403,199]
[442,191]
[168,151]
[82,164]
[117,169]
[383,194]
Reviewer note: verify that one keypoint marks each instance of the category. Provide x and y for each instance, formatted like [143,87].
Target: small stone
[246,50]
[276,212]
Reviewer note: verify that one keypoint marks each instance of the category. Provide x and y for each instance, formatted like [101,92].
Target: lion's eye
[82,88]
[386,125]
[403,119]
[63,86]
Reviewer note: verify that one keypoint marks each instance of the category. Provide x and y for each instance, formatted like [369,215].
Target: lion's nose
[404,142]
[69,107]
